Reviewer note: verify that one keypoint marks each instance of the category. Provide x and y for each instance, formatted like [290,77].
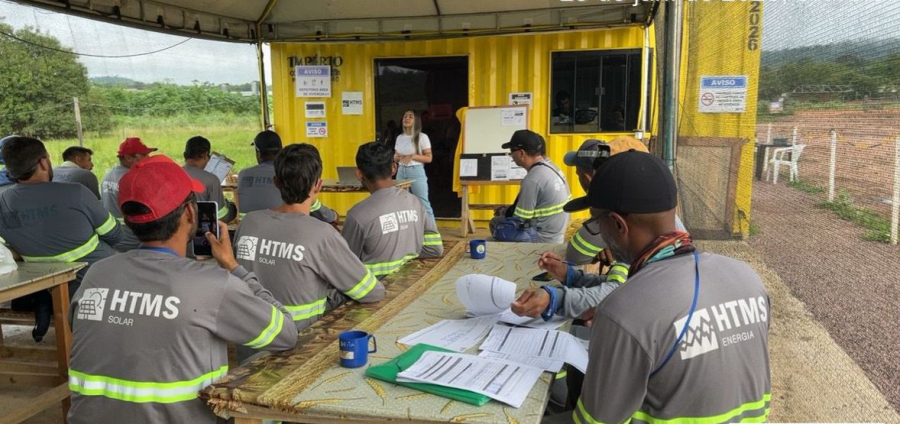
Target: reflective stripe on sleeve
[618,272]
[269,333]
[363,287]
[222,212]
[107,226]
[70,256]
[309,310]
[141,391]
[315,206]
[384,268]
[433,239]
[584,247]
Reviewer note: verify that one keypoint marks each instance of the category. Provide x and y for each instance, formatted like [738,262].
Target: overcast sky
[787,23]
[213,61]
[797,23]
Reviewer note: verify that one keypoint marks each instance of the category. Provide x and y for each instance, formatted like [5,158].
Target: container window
[595,91]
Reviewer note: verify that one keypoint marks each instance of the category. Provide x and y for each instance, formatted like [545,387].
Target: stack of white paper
[551,344]
[505,381]
[457,335]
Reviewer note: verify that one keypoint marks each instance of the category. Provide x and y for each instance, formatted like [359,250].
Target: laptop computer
[347,175]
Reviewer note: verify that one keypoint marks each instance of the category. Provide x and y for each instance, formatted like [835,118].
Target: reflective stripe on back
[70,256]
[141,391]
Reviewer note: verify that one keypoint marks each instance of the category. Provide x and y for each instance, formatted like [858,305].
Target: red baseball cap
[134,146]
[158,183]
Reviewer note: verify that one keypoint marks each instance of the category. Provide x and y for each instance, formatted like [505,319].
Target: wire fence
[826,185]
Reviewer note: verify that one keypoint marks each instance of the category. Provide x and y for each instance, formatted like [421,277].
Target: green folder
[388,372]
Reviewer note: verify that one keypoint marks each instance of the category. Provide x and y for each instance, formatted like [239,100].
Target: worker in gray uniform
[686,339]
[197,152]
[45,221]
[584,247]
[297,257]
[169,316]
[76,168]
[581,292]
[256,189]
[542,193]
[131,151]
[390,227]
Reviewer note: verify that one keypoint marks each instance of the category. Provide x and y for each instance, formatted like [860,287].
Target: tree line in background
[870,69]
[38,85]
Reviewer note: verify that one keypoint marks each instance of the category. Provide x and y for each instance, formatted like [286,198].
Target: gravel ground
[851,286]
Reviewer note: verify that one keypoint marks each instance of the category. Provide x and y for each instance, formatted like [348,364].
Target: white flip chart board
[487,128]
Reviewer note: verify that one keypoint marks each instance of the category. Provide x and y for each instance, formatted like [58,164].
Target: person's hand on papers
[221,248]
[531,303]
[605,257]
[553,264]
[588,317]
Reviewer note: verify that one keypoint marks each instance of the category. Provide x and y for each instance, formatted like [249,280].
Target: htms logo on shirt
[246,248]
[702,333]
[92,306]
[249,247]
[396,221]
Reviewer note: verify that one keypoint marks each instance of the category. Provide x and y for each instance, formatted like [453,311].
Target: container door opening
[435,87]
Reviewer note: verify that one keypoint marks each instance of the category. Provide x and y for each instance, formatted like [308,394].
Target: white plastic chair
[779,158]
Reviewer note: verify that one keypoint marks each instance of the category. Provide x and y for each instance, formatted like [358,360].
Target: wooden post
[794,137]
[831,165]
[769,134]
[78,123]
[895,199]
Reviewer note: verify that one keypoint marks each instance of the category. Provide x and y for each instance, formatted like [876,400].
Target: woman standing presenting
[413,151]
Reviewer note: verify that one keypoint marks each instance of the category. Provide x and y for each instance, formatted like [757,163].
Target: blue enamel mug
[354,346]
[478,248]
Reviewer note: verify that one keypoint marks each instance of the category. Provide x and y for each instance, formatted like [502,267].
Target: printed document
[551,344]
[458,335]
[506,381]
[219,165]
[468,167]
[485,295]
[509,317]
[551,365]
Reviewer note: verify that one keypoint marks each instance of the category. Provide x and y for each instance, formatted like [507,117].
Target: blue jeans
[419,185]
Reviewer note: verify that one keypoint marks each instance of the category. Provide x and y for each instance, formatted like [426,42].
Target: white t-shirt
[404,146]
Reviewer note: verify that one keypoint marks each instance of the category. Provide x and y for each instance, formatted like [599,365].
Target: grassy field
[229,135]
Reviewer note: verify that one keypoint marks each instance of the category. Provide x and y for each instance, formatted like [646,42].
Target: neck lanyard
[687,322]
[159,249]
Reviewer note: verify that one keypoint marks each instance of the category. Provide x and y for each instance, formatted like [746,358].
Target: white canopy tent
[323,21]
[353,20]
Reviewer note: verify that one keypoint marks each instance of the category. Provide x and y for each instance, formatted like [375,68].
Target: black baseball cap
[585,155]
[630,182]
[267,141]
[525,139]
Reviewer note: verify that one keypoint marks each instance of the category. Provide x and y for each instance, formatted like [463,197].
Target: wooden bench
[10,317]
[27,366]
